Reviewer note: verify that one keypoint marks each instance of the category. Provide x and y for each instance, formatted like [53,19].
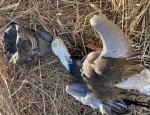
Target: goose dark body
[74,68]
[99,75]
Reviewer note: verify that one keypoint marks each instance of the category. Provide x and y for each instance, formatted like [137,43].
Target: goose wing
[115,44]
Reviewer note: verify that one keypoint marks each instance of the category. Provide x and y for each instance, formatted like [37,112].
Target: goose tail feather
[119,107]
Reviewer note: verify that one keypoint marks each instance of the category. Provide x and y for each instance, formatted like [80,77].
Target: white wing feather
[140,82]
[115,44]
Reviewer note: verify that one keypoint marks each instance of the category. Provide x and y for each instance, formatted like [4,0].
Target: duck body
[105,74]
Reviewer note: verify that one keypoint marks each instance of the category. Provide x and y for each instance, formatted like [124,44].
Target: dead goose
[22,46]
[105,76]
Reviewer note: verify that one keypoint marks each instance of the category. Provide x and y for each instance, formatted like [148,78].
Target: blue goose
[106,76]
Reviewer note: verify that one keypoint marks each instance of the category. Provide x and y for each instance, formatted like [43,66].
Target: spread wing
[115,44]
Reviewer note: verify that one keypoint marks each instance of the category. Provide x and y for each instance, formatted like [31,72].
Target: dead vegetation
[39,88]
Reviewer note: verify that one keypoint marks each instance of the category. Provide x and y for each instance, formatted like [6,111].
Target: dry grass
[39,88]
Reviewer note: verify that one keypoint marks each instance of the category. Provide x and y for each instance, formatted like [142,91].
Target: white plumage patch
[65,61]
[61,51]
[140,82]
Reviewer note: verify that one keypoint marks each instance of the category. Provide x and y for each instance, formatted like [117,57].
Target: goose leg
[92,47]
[135,92]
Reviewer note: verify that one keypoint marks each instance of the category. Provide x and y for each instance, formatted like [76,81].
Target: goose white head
[59,48]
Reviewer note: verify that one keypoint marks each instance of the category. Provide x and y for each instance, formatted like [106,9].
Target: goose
[105,77]
[22,46]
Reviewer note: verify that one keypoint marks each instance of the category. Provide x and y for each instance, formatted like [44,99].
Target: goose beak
[55,34]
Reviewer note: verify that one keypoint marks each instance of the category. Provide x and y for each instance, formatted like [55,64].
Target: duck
[22,46]
[105,77]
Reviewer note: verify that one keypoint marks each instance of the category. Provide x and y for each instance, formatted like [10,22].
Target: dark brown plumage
[100,74]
